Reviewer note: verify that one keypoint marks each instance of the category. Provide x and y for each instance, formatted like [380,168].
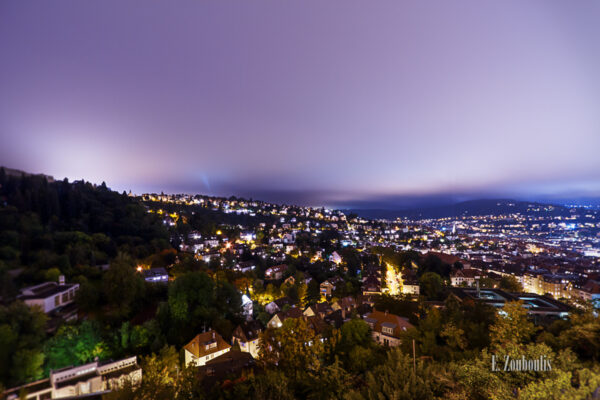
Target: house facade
[49,295]
[387,327]
[280,317]
[246,336]
[204,347]
[276,272]
[464,277]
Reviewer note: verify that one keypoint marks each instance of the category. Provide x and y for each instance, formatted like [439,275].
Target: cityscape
[299,200]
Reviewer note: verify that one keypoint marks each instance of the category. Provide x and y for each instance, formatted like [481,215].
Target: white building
[49,295]
[95,377]
[204,347]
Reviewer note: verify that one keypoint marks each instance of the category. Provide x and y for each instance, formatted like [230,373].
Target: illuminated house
[246,336]
[590,292]
[532,281]
[276,272]
[281,316]
[465,277]
[84,380]
[335,257]
[371,285]
[277,305]
[320,309]
[387,327]
[289,238]
[247,307]
[156,275]
[559,286]
[49,295]
[345,303]
[244,266]
[410,284]
[327,287]
[204,347]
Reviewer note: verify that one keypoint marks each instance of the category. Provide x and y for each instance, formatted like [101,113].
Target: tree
[190,298]
[75,345]
[227,300]
[294,347]
[454,337]
[401,307]
[583,336]
[431,285]
[88,296]
[512,327]
[354,333]
[27,365]
[273,384]
[313,292]
[477,381]
[510,284]
[22,330]
[426,381]
[331,382]
[122,285]
[434,264]
[302,295]
[52,274]
[562,387]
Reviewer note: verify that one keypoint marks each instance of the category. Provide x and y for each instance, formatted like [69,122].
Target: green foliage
[354,333]
[122,285]
[583,336]
[195,301]
[294,347]
[454,337]
[511,328]
[272,384]
[190,297]
[22,330]
[510,284]
[63,225]
[477,381]
[432,286]
[331,382]
[561,387]
[75,345]
[419,380]
[27,365]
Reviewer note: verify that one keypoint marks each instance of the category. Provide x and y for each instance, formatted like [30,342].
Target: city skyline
[314,105]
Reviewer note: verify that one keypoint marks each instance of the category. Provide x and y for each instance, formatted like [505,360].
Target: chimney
[61,280]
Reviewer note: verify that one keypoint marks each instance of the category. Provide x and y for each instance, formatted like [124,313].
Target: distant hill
[19,173]
[471,207]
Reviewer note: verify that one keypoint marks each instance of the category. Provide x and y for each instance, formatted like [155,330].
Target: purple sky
[313,102]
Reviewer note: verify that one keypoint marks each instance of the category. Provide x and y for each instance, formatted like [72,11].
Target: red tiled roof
[400,323]
[198,345]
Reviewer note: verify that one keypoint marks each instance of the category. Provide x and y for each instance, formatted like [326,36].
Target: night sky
[340,103]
